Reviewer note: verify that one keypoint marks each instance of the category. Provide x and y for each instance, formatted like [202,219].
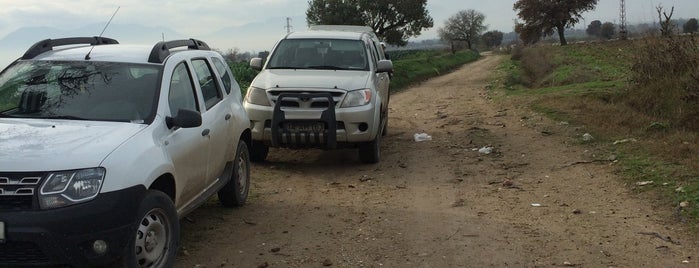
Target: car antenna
[87,57]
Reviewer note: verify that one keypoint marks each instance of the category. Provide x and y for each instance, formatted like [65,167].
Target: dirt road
[536,200]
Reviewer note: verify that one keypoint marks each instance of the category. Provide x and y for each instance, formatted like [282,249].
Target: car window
[225,72]
[207,82]
[336,54]
[104,91]
[182,94]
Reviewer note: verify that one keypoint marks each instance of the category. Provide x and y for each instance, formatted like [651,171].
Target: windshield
[102,91]
[333,54]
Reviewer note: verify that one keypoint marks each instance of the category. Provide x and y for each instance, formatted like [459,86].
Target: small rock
[587,137]
[507,183]
[684,204]
[365,178]
[577,211]
[403,165]
[274,250]
[459,203]
[327,262]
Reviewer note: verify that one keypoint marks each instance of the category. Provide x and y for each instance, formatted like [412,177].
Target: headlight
[257,96]
[357,98]
[65,188]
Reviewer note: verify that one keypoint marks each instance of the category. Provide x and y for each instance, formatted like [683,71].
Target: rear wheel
[258,152]
[157,233]
[370,152]
[235,192]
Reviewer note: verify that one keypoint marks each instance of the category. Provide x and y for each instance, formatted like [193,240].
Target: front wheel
[370,152]
[235,192]
[157,233]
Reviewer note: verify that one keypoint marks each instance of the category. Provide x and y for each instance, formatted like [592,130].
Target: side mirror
[256,63]
[185,119]
[384,66]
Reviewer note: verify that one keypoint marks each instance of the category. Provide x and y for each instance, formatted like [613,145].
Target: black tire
[156,234]
[370,152]
[258,152]
[235,192]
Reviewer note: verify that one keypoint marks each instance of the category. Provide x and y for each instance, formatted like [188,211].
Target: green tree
[492,38]
[393,21]
[594,29]
[548,16]
[691,26]
[608,30]
[467,26]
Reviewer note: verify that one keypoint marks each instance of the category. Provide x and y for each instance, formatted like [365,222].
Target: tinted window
[207,82]
[79,90]
[319,54]
[225,72]
[182,94]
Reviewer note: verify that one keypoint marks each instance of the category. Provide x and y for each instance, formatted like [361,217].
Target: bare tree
[467,26]
[667,27]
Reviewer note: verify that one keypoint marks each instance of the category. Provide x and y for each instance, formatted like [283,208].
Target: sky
[218,20]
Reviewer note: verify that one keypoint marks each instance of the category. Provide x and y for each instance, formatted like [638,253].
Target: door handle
[228,116]
[205,132]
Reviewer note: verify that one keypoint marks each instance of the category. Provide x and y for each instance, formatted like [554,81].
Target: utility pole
[288,25]
[623,34]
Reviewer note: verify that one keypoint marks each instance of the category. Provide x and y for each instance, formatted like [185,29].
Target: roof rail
[48,44]
[162,49]
[343,28]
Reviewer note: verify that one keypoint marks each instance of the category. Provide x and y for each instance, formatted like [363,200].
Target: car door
[187,147]
[215,119]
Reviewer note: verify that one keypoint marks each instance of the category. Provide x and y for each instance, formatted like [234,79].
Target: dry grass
[646,90]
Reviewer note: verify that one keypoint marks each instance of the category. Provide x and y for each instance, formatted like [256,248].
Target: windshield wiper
[68,117]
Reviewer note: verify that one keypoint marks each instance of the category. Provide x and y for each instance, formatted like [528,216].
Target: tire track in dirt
[439,203]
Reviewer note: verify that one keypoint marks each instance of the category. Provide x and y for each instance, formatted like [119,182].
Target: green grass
[589,85]
[421,66]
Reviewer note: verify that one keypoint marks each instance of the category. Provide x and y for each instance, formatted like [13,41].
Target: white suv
[103,147]
[324,88]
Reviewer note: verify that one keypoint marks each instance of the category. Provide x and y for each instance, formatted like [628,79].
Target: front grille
[306,102]
[24,253]
[18,190]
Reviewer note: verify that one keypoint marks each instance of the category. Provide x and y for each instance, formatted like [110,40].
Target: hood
[47,145]
[302,78]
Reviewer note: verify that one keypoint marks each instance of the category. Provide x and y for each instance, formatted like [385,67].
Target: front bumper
[65,236]
[354,125]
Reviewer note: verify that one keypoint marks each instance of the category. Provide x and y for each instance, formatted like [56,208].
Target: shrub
[665,80]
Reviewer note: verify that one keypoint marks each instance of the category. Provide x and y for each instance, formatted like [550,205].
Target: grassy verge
[593,86]
[420,66]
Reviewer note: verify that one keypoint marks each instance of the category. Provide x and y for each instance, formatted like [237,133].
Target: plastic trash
[422,137]
[485,150]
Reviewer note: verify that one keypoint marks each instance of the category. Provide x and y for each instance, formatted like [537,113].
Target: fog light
[363,127]
[99,246]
